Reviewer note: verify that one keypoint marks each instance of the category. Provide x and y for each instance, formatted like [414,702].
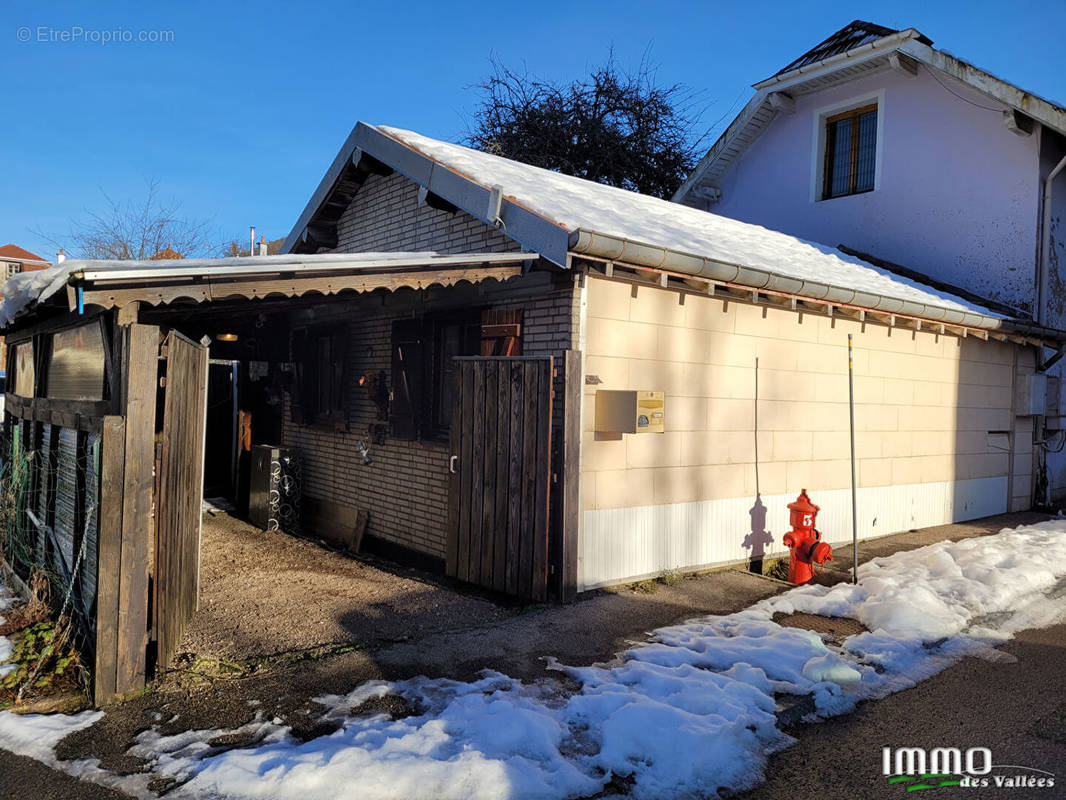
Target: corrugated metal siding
[92,500]
[45,467]
[66,512]
[623,544]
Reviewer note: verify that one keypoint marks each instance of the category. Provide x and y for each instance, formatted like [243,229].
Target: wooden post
[140,370]
[109,543]
[570,514]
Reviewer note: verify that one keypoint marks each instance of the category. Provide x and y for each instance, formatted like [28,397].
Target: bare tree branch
[138,230]
[615,127]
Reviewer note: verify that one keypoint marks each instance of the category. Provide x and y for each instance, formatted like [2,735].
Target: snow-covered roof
[28,289]
[580,205]
[560,217]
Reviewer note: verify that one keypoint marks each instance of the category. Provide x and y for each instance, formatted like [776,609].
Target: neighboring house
[876,141]
[527,381]
[13,260]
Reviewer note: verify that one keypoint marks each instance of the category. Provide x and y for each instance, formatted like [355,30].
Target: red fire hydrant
[804,541]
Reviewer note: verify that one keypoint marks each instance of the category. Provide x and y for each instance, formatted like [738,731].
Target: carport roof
[115,283]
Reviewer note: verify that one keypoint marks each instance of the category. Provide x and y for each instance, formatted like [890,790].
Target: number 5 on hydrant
[804,542]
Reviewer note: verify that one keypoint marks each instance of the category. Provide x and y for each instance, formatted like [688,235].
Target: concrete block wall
[924,406]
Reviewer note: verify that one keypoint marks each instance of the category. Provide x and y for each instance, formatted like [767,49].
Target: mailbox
[630,411]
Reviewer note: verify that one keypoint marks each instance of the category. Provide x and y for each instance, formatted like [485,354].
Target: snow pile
[25,288]
[579,204]
[689,713]
[5,644]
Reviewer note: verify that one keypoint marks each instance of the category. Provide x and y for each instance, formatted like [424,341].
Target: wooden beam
[903,64]
[782,103]
[1018,123]
[128,313]
[294,286]
[428,198]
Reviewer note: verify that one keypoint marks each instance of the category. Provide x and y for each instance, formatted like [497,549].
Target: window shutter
[406,395]
[339,379]
[501,332]
[298,394]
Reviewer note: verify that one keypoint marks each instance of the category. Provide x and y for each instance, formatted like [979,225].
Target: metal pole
[854,509]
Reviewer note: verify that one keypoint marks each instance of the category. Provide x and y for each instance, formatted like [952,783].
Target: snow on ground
[688,713]
[5,644]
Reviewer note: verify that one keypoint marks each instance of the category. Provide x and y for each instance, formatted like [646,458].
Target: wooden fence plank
[514,485]
[477,475]
[490,411]
[141,352]
[109,538]
[181,487]
[502,450]
[466,471]
[543,482]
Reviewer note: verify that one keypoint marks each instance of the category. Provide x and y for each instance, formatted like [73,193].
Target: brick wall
[405,488]
[385,216]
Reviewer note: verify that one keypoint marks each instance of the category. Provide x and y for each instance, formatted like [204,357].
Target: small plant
[673,578]
[649,586]
[39,643]
[776,569]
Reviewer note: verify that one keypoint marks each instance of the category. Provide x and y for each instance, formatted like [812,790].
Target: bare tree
[140,229]
[613,126]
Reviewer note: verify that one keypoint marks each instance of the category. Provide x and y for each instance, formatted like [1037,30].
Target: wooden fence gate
[181,476]
[500,474]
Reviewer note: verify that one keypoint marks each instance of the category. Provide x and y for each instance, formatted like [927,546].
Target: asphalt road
[1018,710]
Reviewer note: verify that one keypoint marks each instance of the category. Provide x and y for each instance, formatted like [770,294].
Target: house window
[25,374]
[76,364]
[850,152]
[321,357]
[423,382]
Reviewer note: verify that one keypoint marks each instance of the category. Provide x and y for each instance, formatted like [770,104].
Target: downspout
[1045,243]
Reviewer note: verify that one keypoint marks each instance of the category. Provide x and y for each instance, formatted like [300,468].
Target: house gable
[386,214]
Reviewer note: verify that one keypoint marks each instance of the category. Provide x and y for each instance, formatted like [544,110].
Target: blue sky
[241,113]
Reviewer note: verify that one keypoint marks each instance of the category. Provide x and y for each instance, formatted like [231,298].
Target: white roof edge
[28,289]
[260,265]
[906,41]
[856,54]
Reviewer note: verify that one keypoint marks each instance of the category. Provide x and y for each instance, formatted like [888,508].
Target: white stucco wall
[957,196]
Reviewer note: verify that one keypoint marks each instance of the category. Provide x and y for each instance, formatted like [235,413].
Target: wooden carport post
[127,461]
[567,518]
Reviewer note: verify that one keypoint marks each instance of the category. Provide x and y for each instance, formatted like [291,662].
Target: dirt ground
[282,621]
[265,592]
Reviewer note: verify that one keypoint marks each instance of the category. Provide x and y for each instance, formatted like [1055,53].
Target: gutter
[886,43]
[1045,243]
[613,248]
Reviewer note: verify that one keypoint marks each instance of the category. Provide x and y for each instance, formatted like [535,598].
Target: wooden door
[180,481]
[500,469]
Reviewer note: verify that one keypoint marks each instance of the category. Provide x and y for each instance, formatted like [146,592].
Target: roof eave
[860,53]
[533,231]
[641,254]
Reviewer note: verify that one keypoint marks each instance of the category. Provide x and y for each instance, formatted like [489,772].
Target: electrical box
[626,411]
[1035,395]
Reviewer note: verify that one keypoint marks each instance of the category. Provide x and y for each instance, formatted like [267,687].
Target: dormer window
[850,164]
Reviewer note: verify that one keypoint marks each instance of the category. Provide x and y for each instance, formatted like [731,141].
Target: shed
[451,343]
